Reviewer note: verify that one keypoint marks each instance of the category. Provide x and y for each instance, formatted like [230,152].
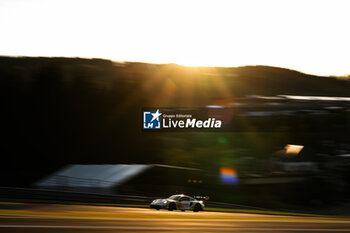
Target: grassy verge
[266,212]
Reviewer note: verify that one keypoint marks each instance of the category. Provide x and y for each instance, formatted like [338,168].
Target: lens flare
[228,176]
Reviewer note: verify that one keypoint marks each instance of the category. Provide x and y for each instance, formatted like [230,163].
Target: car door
[184,203]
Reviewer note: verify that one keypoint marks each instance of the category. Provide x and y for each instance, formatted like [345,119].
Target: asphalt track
[21,217]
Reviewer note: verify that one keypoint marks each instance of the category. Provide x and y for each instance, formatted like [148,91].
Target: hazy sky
[306,35]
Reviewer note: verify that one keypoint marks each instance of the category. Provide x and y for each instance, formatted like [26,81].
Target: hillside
[71,110]
[176,84]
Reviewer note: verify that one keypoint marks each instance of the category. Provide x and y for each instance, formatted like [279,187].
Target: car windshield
[175,197]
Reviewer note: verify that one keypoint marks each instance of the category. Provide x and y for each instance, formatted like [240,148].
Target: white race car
[179,202]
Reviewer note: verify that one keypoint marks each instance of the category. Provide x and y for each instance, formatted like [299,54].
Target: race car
[180,202]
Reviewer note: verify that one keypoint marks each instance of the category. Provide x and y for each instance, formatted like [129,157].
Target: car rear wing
[202,198]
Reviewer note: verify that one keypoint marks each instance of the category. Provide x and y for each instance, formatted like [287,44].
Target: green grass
[267,212]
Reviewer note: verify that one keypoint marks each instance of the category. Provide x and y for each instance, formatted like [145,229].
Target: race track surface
[25,217]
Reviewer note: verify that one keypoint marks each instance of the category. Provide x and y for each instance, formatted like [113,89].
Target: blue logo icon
[151,120]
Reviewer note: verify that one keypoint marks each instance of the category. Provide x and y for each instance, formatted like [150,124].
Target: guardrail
[68,195]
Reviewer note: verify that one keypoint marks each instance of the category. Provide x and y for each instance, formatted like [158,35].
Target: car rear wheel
[197,208]
[172,207]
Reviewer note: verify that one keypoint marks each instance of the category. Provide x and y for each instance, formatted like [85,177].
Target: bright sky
[311,36]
